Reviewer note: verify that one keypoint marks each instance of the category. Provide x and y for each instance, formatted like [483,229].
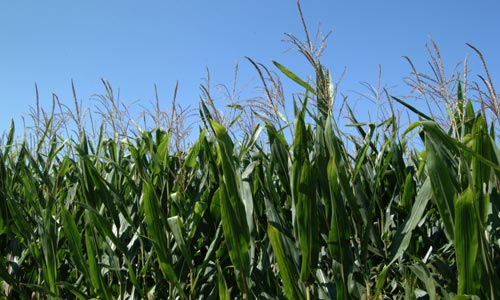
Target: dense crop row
[261,217]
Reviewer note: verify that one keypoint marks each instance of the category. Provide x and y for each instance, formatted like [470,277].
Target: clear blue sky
[136,44]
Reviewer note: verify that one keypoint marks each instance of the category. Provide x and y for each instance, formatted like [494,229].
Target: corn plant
[291,209]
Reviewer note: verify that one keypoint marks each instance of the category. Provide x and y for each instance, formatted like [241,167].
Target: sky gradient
[136,45]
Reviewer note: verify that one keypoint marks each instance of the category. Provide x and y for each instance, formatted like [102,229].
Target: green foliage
[325,215]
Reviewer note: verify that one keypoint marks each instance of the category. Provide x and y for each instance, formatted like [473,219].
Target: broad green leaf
[233,211]
[294,77]
[194,151]
[412,108]
[480,171]
[307,221]
[340,233]
[196,217]
[466,244]
[289,277]
[279,157]
[177,227]
[237,239]
[300,155]
[247,146]
[74,241]
[49,248]
[224,293]
[4,207]
[425,276]
[104,226]
[403,234]
[208,259]
[304,195]
[442,171]
[408,192]
[9,143]
[157,234]
[95,274]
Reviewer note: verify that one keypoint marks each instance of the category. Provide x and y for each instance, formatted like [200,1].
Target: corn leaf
[94,269]
[177,228]
[307,221]
[158,238]
[466,244]
[441,168]
[233,211]
[288,274]
[74,241]
[403,234]
[224,293]
[294,77]
[339,234]
[480,171]
[425,276]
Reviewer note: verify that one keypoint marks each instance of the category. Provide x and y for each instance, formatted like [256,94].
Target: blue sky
[136,44]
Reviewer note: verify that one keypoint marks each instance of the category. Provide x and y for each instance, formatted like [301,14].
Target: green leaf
[157,234]
[304,195]
[307,221]
[425,276]
[403,234]
[233,210]
[466,244]
[288,274]
[279,157]
[466,297]
[442,171]
[74,241]
[481,172]
[177,228]
[96,277]
[224,293]
[237,240]
[294,77]
[339,234]
[49,248]
[413,109]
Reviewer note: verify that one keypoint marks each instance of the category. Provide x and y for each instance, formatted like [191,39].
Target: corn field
[288,210]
